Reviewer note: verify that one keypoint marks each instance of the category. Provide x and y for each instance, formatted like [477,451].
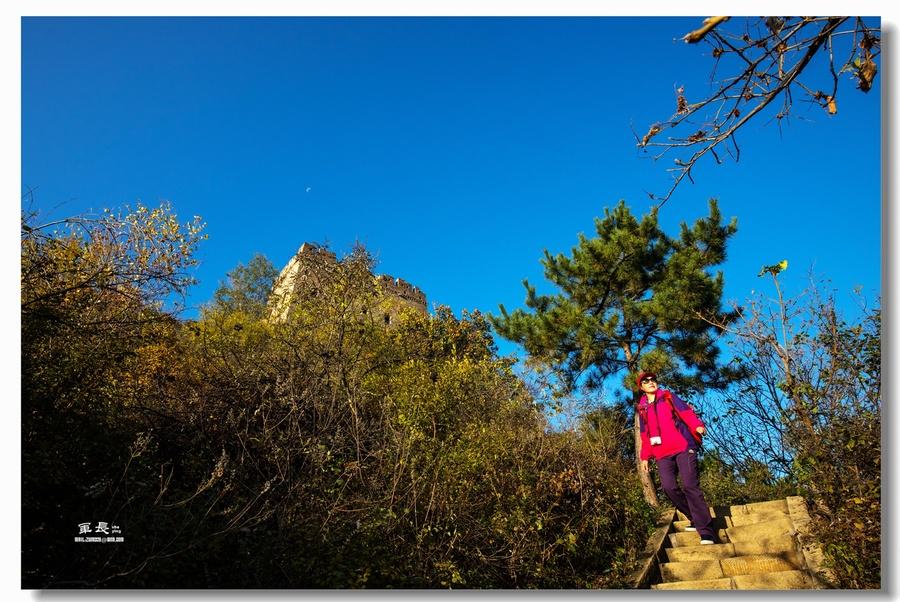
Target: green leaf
[774,269]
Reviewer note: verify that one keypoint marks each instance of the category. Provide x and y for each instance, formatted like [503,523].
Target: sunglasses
[648,379]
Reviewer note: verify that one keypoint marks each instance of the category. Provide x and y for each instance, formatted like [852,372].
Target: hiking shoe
[706,542]
[690,527]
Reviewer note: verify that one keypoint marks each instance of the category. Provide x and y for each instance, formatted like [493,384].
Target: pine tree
[630,299]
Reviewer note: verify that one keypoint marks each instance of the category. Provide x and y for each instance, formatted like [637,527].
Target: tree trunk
[646,481]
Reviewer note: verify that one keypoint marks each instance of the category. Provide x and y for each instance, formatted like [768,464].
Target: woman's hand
[701,429]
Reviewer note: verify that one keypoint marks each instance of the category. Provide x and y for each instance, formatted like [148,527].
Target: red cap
[644,375]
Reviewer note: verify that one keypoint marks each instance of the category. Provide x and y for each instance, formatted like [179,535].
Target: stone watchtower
[314,265]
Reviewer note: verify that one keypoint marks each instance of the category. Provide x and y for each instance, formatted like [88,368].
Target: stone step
[739,520]
[691,570]
[783,580]
[758,549]
[707,552]
[773,546]
[696,570]
[740,509]
[776,580]
[773,505]
[692,538]
[773,530]
[724,583]
[714,511]
[728,550]
[753,564]
[718,523]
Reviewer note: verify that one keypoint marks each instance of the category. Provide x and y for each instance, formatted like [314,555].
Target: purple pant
[688,498]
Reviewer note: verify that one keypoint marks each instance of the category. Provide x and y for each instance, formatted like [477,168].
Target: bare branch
[774,54]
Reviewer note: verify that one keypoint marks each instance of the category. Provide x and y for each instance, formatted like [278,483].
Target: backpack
[667,395]
[698,438]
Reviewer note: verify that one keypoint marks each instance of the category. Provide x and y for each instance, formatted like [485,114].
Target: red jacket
[659,419]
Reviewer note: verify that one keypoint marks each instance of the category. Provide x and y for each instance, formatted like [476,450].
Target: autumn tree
[627,301]
[761,66]
[91,285]
[808,408]
[95,291]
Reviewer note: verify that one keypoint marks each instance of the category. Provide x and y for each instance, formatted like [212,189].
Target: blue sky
[456,149]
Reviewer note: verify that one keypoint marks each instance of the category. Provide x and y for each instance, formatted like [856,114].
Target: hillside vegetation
[330,450]
[325,451]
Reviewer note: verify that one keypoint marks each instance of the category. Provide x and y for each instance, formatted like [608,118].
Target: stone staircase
[763,545]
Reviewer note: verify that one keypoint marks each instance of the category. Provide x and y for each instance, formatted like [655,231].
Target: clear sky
[455,149]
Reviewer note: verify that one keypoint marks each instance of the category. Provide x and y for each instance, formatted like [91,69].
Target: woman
[668,425]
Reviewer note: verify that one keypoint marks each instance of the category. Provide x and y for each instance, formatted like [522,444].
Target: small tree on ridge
[629,300]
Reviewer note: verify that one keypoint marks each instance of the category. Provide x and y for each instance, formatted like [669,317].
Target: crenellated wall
[399,287]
